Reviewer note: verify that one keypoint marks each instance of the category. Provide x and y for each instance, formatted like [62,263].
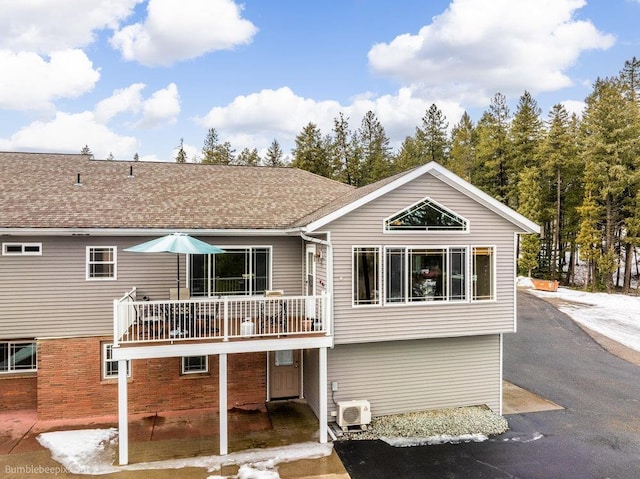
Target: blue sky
[131,76]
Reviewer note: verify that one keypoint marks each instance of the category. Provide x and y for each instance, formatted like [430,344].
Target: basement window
[195,364]
[110,365]
[18,357]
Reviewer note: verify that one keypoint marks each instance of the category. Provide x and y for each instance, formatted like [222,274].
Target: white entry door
[310,280]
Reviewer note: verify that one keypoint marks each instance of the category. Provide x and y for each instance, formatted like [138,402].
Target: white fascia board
[447,177]
[221,347]
[143,232]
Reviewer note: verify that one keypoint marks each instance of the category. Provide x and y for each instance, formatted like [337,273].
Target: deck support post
[323,395]
[123,414]
[224,439]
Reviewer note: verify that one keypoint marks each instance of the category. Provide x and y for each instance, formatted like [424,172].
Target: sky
[133,76]
[91,451]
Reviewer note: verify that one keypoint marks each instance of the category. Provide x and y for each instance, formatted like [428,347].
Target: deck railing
[224,318]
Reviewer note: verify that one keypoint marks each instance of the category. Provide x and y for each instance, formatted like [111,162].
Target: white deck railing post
[225,326]
[115,323]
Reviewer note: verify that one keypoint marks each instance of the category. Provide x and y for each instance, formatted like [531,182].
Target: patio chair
[273,312]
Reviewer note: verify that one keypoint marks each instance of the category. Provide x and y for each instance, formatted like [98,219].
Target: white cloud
[282,114]
[475,49]
[44,26]
[30,82]
[574,106]
[162,107]
[175,31]
[70,132]
[123,100]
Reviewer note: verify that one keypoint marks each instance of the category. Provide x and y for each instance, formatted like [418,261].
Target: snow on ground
[93,451]
[616,316]
[433,440]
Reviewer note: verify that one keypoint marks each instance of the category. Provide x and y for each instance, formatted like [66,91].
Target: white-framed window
[18,357]
[101,262]
[239,271]
[21,249]
[194,364]
[366,275]
[425,215]
[419,274]
[483,270]
[110,365]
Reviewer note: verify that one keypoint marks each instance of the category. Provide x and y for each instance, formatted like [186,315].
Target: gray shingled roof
[39,191]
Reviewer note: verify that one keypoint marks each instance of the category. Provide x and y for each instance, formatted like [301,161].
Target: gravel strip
[438,422]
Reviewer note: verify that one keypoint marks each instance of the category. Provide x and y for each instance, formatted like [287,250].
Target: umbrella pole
[178,278]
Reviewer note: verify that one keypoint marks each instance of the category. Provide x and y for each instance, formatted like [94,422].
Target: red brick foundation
[18,392]
[70,383]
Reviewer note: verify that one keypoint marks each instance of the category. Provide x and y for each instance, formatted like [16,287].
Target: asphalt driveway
[596,435]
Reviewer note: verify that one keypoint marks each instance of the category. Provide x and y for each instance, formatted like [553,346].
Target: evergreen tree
[432,136]
[530,206]
[344,162]
[248,157]
[274,154]
[408,157]
[210,147]
[376,156]
[492,150]
[609,141]
[310,152]
[86,151]
[462,158]
[525,135]
[215,153]
[181,155]
[630,81]
[561,175]
[136,157]
[110,157]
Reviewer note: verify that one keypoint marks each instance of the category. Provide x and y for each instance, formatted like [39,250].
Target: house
[397,293]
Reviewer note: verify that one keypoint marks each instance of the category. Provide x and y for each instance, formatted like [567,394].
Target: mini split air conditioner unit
[354,413]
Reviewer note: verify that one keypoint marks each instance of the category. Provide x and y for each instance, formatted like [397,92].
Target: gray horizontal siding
[363,227]
[48,296]
[405,376]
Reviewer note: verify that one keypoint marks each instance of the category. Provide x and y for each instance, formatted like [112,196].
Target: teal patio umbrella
[178,243]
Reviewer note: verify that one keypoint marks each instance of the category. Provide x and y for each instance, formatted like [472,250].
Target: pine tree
[493,149]
[311,152]
[274,154]
[376,156]
[181,155]
[210,147]
[525,136]
[248,157]
[86,151]
[561,175]
[136,157]
[609,146]
[341,152]
[408,157]
[110,157]
[530,206]
[462,158]
[432,136]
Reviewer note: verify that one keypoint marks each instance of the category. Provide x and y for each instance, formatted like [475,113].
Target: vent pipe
[78,183]
[130,171]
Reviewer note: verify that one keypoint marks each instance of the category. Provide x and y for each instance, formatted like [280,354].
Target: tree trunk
[628,264]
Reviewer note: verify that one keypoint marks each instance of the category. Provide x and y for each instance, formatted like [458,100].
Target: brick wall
[70,383]
[18,392]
